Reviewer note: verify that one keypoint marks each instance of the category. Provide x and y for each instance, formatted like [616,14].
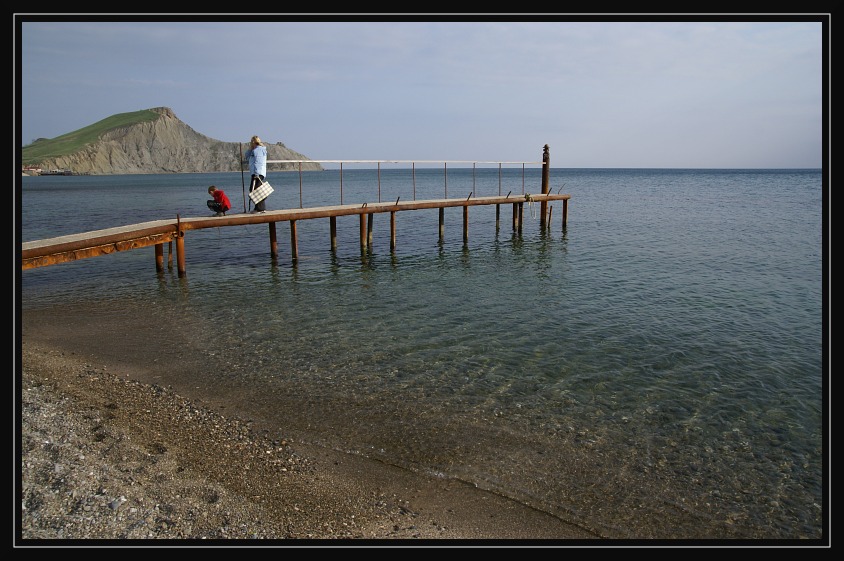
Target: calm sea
[653,370]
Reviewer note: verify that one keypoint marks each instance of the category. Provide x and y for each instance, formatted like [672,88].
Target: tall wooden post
[546,187]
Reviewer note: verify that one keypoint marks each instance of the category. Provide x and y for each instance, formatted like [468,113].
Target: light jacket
[257,159]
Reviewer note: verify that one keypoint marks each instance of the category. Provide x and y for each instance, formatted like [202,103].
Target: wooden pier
[41,253]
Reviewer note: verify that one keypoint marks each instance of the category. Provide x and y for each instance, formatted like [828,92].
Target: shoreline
[106,457]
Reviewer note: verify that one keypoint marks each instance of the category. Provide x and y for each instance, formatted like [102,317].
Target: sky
[604,93]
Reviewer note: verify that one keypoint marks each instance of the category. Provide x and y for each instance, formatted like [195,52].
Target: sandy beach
[107,459]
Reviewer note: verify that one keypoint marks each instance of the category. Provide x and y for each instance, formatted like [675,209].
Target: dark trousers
[215,206]
[257,180]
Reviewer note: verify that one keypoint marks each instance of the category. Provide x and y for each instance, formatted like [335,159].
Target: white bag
[261,192]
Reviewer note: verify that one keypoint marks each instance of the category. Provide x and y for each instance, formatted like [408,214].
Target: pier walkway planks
[40,253]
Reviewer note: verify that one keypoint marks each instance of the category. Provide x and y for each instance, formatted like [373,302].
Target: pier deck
[40,253]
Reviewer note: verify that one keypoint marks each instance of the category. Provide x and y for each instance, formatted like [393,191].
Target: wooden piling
[521,218]
[565,212]
[273,240]
[180,248]
[294,240]
[333,221]
[180,255]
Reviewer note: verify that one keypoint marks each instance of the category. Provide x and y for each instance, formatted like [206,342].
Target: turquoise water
[653,370]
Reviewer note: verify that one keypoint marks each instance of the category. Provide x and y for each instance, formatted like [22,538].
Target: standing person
[219,202]
[256,156]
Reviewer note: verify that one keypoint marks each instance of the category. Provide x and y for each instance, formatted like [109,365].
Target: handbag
[261,192]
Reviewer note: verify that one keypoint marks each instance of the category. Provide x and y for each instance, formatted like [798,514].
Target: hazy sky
[699,94]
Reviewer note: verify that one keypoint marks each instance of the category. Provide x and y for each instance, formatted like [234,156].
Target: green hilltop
[70,143]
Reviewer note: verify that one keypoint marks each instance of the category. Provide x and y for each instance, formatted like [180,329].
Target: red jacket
[222,198]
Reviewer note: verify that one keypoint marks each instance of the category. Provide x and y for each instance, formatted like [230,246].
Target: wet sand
[106,455]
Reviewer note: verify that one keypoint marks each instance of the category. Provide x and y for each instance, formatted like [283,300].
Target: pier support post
[369,229]
[180,248]
[466,224]
[442,223]
[393,230]
[362,231]
[333,221]
[274,240]
[565,212]
[159,257]
[180,254]
[294,240]
[521,216]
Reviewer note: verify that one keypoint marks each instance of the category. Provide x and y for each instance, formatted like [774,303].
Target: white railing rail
[445,164]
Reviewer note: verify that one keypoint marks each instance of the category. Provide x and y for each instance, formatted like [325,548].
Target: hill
[147,141]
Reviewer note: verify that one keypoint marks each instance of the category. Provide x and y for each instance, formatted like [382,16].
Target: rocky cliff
[165,145]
